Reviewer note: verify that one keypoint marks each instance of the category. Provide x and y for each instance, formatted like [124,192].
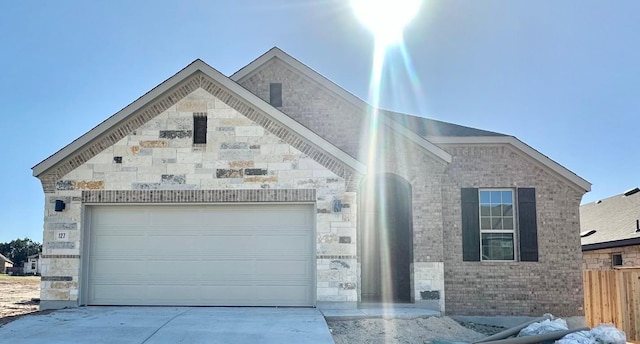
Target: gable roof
[276,53]
[3,258]
[123,121]
[614,219]
[427,133]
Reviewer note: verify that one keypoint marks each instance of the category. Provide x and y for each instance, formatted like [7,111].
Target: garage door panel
[179,217]
[245,255]
[196,295]
[293,245]
[282,268]
[121,217]
[115,267]
[102,245]
[297,216]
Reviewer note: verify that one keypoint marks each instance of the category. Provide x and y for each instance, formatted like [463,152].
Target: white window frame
[513,231]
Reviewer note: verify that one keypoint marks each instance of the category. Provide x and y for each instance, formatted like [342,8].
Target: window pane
[485,223]
[485,210]
[507,210]
[507,223]
[496,197]
[485,197]
[507,197]
[496,210]
[497,246]
[496,223]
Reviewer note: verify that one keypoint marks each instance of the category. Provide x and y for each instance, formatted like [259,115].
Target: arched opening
[386,239]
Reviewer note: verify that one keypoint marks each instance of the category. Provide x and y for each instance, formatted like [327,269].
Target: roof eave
[513,141]
[611,244]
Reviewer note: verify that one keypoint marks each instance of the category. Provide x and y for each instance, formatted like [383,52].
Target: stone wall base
[53,304]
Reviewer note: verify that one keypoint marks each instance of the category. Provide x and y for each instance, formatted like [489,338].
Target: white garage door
[222,255]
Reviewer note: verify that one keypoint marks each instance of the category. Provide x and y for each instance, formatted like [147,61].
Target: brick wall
[601,259]
[551,285]
[318,109]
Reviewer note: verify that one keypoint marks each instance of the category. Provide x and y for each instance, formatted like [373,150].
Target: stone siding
[601,259]
[240,161]
[551,285]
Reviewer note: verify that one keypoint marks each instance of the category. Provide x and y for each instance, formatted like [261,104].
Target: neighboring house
[264,189]
[32,265]
[611,232]
[4,264]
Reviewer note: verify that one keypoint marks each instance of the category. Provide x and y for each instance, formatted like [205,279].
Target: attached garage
[204,255]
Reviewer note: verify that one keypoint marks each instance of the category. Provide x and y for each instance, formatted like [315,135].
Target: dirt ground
[419,330]
[16,296]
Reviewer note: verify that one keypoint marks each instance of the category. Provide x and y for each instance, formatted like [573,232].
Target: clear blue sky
[562,76]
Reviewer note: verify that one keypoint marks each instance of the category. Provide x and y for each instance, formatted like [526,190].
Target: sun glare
[386,18]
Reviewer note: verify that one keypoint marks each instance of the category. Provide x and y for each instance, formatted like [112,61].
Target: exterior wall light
[59,205]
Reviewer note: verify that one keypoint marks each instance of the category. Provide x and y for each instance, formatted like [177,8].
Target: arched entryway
[386,239]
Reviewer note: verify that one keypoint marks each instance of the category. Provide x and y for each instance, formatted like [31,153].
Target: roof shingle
[613,219]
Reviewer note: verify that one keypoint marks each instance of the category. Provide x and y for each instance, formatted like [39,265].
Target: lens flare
[386,19]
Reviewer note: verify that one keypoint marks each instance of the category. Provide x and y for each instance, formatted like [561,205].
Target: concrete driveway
[170,325]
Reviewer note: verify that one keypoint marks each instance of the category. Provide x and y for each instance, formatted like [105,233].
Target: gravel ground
[418,330]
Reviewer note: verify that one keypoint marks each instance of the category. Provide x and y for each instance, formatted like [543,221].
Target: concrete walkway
[155,325]
[337,311]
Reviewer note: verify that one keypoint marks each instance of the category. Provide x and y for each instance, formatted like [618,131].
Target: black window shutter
[275,94]
[470,225]
[527,224]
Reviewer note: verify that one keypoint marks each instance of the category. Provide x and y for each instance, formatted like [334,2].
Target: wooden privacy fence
[613,296]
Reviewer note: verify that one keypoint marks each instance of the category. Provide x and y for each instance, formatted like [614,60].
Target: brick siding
[601,259]
[551,285]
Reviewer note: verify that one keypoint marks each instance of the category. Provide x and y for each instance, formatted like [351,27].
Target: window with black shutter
[496,221]
[527,224]
[470,225]
[275,94]
[199,128]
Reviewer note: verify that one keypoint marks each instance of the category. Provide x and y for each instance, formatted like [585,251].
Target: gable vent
[587,233]
[631,192]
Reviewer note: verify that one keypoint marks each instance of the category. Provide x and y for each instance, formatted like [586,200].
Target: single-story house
[276,187]
[4,264]
[32,265]
[611,232]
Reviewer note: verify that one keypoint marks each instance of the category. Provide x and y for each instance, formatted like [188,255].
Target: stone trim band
[56,278]
[61,256]
[329,256]
[199,196]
